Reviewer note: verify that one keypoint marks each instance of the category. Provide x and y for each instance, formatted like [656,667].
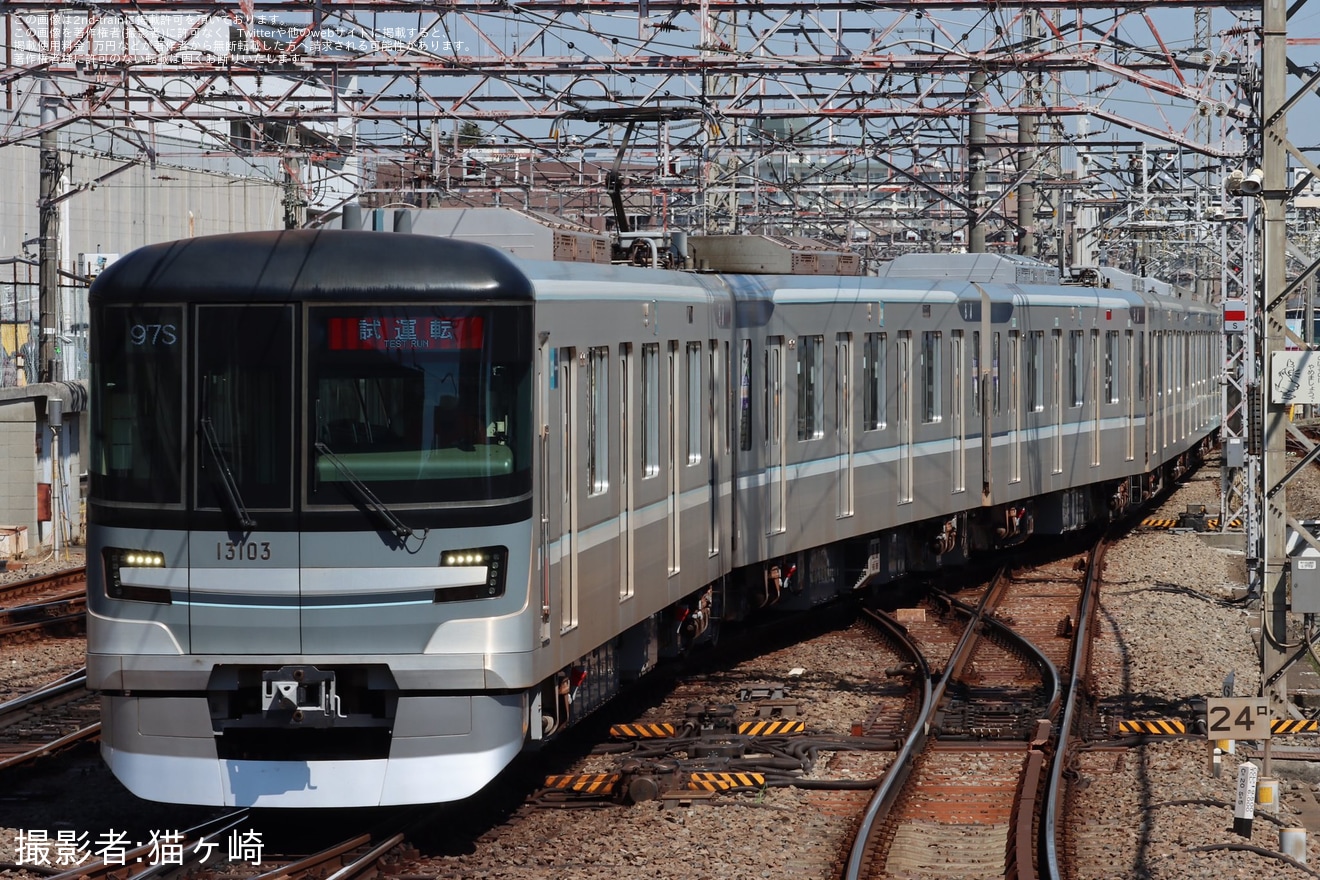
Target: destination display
[403,332]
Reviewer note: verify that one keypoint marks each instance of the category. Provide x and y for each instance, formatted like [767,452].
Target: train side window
[810,395]
[695,396]
[994,373]
[931,404]
[745,397]
[1141,365]
[598,428]
[1076,375]
[1056,358]
[1036,371]
[650,409]
[873,382]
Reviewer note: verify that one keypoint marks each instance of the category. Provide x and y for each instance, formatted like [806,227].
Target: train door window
[903,416]
[728,399]
[137,405]
[1131,373]
[650,409]
[1095,396]
[1035,371]
[673,470]
[873,382]
[1076,380]
[695,396]
[994,373]
[956,403]
[598,425]
[626,498]
[843,410]
[976,372]
[810,394]
[1141,365]
[1057,360]
[1015,406]
[745,396]
[931,405]
[245,405]
[1111,364]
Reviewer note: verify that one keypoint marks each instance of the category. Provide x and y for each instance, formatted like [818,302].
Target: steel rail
[1080,660]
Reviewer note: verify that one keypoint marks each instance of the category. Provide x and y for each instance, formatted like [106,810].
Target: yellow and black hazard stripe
[725,781]
[1159,522]
[1213,523]
[771,727]
[585,783]
[1159,727]
[642,731]
[1283,726]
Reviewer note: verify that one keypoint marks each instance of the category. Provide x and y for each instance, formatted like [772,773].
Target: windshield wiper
[374,504]
[226,476]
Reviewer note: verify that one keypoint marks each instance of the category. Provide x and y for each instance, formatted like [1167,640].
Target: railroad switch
[765,692]
[686,798]
[711,718]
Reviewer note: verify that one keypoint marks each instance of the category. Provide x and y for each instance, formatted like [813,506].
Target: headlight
[472,574]
[121,565]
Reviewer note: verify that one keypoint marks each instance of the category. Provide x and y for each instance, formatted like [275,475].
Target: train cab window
[931,404]
[650,409]
[598,428]
[417,402]
[873,382]
[137,404]
[1076,375]
[1036,371]
[244,406]
[810,393]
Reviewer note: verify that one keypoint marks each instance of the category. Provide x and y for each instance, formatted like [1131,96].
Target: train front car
[310,518]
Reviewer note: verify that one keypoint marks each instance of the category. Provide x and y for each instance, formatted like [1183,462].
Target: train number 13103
[242,550]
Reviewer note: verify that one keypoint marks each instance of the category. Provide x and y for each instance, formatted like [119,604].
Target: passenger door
[775,471]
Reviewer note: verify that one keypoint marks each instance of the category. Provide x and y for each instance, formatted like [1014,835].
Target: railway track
[50,719]
[47,602]
[969,791]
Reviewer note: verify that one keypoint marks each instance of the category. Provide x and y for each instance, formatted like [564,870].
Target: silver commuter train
[370,513]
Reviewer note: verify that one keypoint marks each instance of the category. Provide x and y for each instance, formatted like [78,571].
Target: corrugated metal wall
[138,206]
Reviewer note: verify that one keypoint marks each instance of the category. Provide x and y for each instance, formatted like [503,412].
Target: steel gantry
[841,119]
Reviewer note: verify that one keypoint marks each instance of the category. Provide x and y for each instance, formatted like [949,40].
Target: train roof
[326,264]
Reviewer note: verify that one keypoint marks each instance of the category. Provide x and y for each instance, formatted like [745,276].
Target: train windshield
[418,404]
[137,405]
